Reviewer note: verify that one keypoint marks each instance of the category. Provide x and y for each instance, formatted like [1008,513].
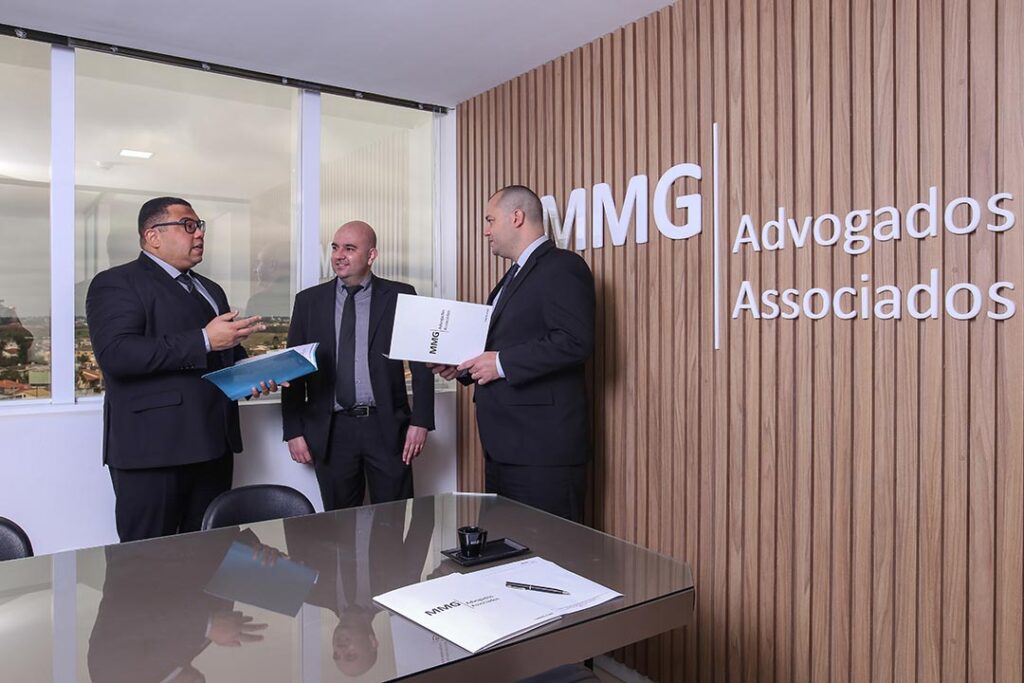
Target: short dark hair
[523,198]
[156,209]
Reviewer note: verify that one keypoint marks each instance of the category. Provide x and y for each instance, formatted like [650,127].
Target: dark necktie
[507,280]
[186,279]
[345,389]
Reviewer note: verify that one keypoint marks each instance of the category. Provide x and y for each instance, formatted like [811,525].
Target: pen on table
[531,587]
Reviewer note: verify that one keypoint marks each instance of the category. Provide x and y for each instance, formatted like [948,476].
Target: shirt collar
[532,247]
[168,268]
[367,281]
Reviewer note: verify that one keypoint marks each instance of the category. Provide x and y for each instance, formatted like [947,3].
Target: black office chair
[257,503]
[14,542]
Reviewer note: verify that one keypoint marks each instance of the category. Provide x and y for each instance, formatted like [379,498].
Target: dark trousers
[558,490]
[357,459]
[160,501]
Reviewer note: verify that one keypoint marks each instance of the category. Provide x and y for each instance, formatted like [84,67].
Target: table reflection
[358,555]
[155,617]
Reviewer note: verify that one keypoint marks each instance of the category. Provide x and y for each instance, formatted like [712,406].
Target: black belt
[357,411]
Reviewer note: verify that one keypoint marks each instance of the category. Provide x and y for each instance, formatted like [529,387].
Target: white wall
[53,484]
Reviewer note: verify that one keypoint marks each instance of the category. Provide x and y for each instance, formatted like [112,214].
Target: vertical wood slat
[850,494]
[907,443]
[823,382]
[785,391]
[1009,650]
[884,479]
[981,601]
[844,379]
[957,379]
[930,458]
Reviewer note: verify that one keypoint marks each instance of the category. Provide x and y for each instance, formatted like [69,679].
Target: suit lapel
[220,302]
[323,320]
[380,296]
[523,273]
[177,292]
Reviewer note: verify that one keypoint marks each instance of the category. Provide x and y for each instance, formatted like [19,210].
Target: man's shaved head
[363,228]
[523,198]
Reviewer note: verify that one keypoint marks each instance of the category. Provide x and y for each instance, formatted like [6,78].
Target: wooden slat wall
[850,494]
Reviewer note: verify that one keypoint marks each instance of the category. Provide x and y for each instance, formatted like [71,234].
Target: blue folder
[281,588]
[281,366]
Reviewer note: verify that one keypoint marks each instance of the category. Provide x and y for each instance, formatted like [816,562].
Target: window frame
[306,205]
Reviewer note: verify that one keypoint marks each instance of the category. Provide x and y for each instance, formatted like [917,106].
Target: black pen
[531,587]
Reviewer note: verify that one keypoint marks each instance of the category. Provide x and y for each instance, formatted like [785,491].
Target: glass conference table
[163,610]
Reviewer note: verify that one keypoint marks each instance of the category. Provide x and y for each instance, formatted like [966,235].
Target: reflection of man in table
[155,618]
[360,553]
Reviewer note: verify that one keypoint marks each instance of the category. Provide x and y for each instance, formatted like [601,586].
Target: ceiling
[439,52]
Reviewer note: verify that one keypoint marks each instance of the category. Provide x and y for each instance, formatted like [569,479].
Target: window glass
[24,219]
[226,145]
[377,165]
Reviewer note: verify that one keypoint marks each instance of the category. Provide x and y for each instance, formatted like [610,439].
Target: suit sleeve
[422,391]
[117,327]
[293,396]
[568,314]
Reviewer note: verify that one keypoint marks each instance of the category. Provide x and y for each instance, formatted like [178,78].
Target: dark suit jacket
[543,329]
[307,404]
[146,332]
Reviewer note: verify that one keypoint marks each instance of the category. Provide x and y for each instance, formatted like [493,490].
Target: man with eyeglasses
[156,327]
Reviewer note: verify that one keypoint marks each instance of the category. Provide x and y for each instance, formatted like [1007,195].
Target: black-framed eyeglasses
[190,225]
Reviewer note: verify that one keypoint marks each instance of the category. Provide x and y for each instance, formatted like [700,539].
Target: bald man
[352,420]
[530,396]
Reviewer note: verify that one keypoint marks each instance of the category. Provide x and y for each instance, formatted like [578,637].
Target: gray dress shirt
[364,391]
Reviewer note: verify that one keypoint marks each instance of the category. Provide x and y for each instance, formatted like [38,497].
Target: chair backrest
[14,542]
[258,503]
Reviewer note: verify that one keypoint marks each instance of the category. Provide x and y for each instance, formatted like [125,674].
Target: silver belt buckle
[360,411]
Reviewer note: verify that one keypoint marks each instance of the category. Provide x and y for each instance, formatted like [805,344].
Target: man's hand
[231,629]
[299,450]
[266,388]
[266,555]
[224,332]
[415,437]
[483,368]
[448,372]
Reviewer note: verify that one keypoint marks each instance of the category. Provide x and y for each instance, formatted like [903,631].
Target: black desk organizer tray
[498,549]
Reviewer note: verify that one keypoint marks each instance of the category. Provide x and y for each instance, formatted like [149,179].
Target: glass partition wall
[226,145]
[24,220]
[231,146]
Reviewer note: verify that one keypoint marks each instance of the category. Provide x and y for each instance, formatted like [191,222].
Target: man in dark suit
[531,404]
[352,418]
[156,327]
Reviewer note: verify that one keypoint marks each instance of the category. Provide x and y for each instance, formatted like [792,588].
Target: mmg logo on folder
[442,608]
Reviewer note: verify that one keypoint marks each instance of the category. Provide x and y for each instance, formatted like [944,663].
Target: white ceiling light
[135,154]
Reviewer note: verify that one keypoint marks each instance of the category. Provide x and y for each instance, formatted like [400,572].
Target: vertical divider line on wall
[62,225]
[308,189]
[446,229]
[717,255]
